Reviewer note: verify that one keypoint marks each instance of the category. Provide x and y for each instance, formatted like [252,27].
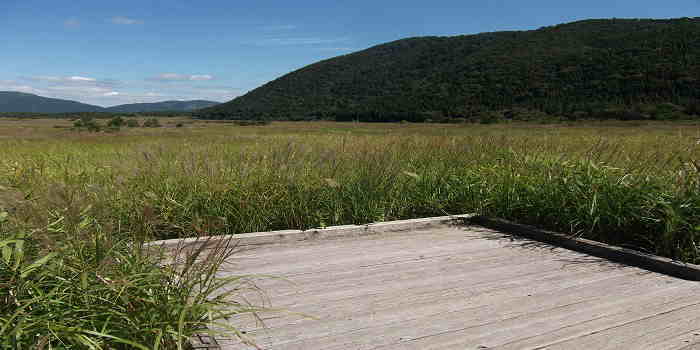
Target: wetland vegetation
[83,199]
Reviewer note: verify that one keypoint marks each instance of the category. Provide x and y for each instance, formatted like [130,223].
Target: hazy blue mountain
[11,101]
[15,102]
[183,106]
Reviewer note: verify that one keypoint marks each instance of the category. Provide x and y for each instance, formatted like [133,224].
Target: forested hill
[573,69]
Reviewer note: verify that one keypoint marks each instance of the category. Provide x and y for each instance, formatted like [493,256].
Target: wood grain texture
[457,287]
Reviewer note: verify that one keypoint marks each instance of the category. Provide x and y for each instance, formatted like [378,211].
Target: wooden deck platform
[456,287]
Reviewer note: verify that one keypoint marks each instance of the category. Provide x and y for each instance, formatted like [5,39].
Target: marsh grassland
[634,185]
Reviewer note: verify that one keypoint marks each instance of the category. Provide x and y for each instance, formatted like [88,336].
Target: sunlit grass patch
[637,187]
[96,292]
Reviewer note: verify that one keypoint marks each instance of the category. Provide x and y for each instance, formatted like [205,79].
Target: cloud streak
[336,49]
[125,20]
[80,91]
[281,27]
[11,85]
[74,87]
[63,79]
[74,80]
[107,92]
[173,77]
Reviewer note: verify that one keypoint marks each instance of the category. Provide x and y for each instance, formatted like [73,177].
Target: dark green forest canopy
[622,68]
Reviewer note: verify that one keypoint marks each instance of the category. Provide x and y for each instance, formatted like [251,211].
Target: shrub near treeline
[115,124]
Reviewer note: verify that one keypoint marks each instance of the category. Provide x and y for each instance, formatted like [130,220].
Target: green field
[629,184]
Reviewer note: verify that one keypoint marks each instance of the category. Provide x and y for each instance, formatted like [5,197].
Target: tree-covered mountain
[19,102]
[573,69]
[161,106]
[11,101]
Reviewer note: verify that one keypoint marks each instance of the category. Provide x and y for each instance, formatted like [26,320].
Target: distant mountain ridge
[19,102]
[567,70]
[162,106]
[11,101]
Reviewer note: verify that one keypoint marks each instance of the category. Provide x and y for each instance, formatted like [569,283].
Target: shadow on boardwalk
[515,241]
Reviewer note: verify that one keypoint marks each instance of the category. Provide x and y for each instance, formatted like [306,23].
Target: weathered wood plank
[461,288]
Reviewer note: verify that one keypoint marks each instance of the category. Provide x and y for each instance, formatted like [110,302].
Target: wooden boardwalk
[461,288]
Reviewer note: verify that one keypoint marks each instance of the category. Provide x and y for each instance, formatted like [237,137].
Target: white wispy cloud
[200,77]
[108,92]
[74,80]
[336,49]
[63,79]
[11,85]
[125,20]
[134,97]
[80,90]
[74,87]
[101,96]
[170,77]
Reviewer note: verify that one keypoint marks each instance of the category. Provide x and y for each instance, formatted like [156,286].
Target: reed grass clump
[94,292]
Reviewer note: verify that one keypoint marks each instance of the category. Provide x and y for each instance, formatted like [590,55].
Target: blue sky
[114,52]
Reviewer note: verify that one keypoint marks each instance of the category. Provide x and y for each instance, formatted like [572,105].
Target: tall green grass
[89,295]
[82,288]
[637,187]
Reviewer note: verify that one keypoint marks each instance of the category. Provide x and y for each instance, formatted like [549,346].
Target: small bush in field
[87,123]
[116,122]
[490,117]
[251,122]
[132,123]
[151,123]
